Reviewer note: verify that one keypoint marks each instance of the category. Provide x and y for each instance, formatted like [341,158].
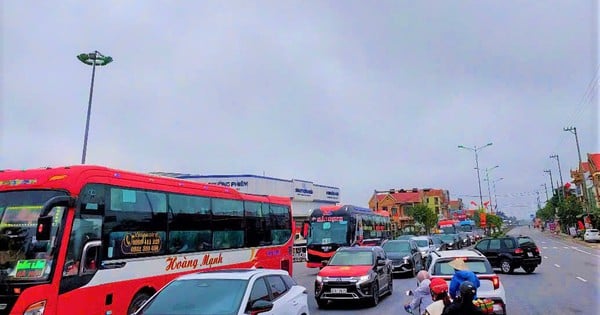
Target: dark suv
[355,273]
[405,256]
[509,253]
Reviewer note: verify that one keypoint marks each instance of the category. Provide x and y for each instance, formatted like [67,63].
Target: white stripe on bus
[169,264]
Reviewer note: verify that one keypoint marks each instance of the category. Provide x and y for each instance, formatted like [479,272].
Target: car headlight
[363,279]
[319,279]
[36,308]
[451,243]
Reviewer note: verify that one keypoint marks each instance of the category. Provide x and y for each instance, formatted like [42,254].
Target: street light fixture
[476,150]
[573,130]
[91,59]
[487,179]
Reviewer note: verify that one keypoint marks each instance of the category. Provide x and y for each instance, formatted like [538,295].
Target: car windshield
[478,266]
[323,233]
[351,258]
[198,297]
[447,238]
[422,243]
[22,257]
[396,247]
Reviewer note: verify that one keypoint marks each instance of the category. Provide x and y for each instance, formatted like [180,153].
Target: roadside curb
[571,239]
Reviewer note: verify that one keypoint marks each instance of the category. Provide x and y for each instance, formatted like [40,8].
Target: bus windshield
[466,228]
[21,256]
[322,233]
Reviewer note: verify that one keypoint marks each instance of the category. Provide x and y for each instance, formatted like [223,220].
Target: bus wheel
[138,300]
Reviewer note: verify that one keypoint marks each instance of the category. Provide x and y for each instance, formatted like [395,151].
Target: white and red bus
[94,240]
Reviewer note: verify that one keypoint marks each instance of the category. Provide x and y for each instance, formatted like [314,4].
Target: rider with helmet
[463,304]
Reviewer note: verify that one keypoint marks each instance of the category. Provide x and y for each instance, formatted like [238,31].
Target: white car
[490,285]
[233,291]
[591,235]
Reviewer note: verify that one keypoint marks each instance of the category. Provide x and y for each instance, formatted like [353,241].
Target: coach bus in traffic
[94,240]
[332,227]
[449,226]
[467,225]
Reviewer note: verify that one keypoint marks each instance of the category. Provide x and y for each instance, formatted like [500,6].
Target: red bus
[332,227]
[449,226]
[94,240]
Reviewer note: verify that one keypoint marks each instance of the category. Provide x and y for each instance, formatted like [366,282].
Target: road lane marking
[544,247]
[555,247]
[580,278]
[579,250]
[566,247]
[557,266]
[545,257]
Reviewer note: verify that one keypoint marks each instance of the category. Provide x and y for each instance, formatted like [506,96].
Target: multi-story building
[455,208]
[594,190]
[437,200]
[397,201]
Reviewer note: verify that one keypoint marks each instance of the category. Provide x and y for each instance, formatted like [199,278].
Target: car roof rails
[476,251]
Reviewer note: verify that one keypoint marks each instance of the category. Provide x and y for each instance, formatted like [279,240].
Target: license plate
[530,254]
[337,290]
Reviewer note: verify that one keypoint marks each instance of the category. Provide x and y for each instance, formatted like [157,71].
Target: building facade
[396,202]
[594,188]
[305,195]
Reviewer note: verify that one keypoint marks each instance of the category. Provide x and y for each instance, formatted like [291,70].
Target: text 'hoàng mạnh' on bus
[208,260]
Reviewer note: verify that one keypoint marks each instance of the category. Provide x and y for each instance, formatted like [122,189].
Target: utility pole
[562,183]
[538,200]
[546,190]
[573,130]
[551,182]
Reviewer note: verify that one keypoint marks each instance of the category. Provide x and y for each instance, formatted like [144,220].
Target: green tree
[424,215]
[568,210]
[549,210]
[493,220]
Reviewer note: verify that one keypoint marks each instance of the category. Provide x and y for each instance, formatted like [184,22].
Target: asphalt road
[565,283]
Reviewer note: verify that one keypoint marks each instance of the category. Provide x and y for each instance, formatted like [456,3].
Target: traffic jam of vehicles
[210,267]
[357,259]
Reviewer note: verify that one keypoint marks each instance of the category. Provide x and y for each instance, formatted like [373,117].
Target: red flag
[474,203]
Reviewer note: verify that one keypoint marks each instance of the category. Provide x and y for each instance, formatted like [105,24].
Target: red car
[355,273]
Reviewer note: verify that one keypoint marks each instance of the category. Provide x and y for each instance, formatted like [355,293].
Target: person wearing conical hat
[461,274]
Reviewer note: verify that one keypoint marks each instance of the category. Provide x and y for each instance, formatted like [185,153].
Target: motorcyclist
[422,296]
[461,274]
[439,294]
[463,304]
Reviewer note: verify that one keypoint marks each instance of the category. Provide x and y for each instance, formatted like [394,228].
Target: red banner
[482,219]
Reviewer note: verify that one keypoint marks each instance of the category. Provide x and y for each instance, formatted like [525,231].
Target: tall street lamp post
[495,195]
[487,179]
[91,59]
[476,150]
[573,130]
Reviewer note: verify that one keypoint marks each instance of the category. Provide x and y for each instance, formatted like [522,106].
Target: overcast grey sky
[361,95]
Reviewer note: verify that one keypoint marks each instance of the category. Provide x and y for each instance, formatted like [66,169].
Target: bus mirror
[44,226]
[58,201]
[305,227]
